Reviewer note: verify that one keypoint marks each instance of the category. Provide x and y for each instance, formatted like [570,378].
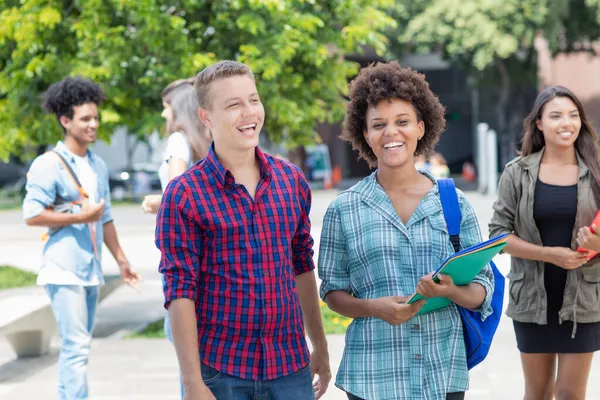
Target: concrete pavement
[146,369]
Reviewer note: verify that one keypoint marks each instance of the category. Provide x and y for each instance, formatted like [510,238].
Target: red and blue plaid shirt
[238,259]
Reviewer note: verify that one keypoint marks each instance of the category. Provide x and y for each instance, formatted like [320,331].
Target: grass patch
[126,202]
[333,323]
[10,201]
[11,277]
[153,330]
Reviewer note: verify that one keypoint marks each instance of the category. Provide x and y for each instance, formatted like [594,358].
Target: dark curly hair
[61,97]
[383,81]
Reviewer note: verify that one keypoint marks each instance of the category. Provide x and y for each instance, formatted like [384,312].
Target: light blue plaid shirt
[367,251]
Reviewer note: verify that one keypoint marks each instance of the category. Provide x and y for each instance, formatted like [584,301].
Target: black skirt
[556,337]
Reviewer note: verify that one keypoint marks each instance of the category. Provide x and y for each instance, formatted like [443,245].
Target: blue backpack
[478,333]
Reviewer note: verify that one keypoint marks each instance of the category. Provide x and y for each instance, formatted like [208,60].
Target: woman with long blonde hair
[188,139]
[188,142]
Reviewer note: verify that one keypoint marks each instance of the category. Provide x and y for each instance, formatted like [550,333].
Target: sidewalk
[146,369]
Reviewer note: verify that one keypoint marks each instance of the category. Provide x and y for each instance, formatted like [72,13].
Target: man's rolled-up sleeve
[179,239]
[40,187]
[302,242]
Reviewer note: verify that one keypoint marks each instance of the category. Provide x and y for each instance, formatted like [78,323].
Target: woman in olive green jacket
[546,199]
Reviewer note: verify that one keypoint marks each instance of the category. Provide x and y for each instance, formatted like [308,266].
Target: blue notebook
[462,267]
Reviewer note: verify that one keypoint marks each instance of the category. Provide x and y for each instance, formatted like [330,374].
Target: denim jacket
[513,213]
[69,247]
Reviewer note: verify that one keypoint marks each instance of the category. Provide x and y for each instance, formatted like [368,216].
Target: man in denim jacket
[79,221]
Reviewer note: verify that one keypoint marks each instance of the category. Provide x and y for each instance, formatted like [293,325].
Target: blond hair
[180,95]
[222,69]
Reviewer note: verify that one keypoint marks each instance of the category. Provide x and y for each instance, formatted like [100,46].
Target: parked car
[124,184]
[135,182]
[13,177]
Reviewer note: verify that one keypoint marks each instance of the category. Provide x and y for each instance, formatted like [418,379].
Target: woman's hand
[588,239]
[429,288]
[151,203]
[566,258]
[394,310]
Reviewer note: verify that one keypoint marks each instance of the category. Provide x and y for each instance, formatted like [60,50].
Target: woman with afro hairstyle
[382,238]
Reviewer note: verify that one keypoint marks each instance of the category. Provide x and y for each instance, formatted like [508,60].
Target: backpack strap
[82,192]
[451,209]
[72,174]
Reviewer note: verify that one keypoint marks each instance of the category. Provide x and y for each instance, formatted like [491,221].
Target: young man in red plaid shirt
[237,258]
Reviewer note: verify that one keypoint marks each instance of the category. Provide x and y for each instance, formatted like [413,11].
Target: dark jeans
[297,386]
[449,396]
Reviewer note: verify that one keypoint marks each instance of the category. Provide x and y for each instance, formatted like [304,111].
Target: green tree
[495,42]
[135,47]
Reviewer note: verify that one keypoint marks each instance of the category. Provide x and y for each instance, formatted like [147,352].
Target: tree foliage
[494,40]
[476,33]
[133,48]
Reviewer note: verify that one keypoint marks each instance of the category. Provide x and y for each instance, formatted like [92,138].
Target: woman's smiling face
[393,130]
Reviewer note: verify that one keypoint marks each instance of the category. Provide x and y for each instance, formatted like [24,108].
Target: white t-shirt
[177,146]
[51,273]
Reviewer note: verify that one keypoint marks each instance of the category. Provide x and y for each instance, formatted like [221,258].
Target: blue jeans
[297,386]
[74,308]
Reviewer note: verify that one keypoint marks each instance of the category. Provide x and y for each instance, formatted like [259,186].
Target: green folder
[462,267]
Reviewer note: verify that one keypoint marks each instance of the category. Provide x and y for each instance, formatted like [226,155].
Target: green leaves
[135,48]
[49,17]
[494,42]
[478,29]
[476,32]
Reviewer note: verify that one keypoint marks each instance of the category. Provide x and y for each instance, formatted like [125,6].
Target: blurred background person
[67,192]
[421,163]
[188,139]
[438,166]
[187,143]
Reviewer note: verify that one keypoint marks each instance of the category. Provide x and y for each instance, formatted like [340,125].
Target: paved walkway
[146,369]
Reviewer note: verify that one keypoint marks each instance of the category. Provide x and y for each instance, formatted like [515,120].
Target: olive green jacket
[513,213]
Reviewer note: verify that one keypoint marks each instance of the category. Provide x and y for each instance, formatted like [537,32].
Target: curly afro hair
[384,81]
[62,96]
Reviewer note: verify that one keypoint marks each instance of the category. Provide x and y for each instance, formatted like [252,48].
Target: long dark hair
[586,144]
[180,95]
